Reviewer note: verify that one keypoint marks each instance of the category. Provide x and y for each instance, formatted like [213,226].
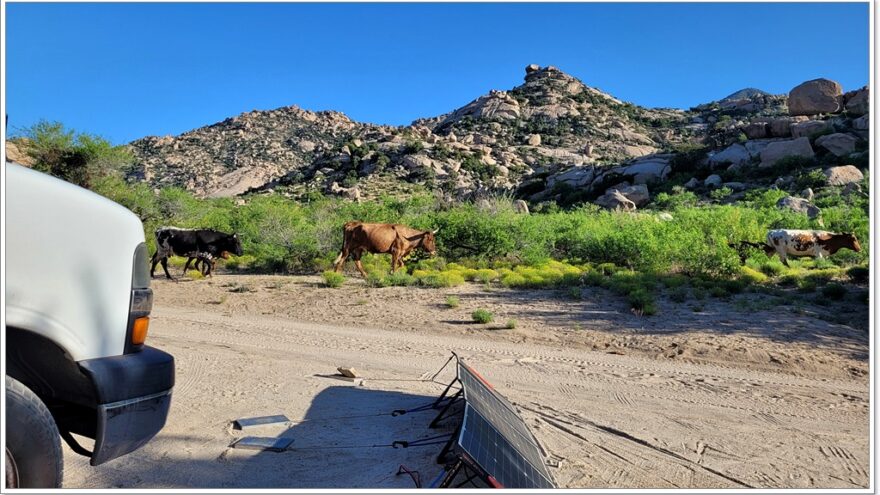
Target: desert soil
[734,395]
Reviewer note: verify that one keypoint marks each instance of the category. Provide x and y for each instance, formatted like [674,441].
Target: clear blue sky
[129,70]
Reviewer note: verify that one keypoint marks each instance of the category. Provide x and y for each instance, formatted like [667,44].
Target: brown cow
[398,240]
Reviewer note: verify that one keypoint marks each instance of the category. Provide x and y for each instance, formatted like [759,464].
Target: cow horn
[435,231]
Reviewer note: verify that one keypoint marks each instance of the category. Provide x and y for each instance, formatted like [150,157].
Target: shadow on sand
[341,442]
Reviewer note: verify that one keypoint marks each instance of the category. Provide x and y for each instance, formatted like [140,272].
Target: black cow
[193,243]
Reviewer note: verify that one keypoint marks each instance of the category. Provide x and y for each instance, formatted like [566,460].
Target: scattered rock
[843,175]
[852,187]
[781,149]
[615,201]
[734,154]
[857,102]
[352,193]
[664,216]
[534,140]
[575,177]
[736,186]
[799,205]
[648,169]
[713,180]
[838,143]
[780,126]
[638,194]
[862,123]
[521,207]
[756,130]
[815,97]
[757,146]
[808,194]
[809,128]
[532,68]
[693,183]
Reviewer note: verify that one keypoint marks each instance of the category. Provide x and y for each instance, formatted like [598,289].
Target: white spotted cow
[814,243]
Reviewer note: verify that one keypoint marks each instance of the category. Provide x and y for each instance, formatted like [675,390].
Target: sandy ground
[739,394]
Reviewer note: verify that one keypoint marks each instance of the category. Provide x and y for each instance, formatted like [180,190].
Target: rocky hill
[549,138]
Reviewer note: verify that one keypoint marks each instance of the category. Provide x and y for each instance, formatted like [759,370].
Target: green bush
[452,301]
[280,235]
[441,279]
[679,294]
[400,279]
[642,301]
[834,292]
[377,279]
[859,274]
[333,279]
[482,316]
[510,325]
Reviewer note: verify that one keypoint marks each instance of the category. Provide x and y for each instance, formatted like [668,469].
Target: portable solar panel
[495,436]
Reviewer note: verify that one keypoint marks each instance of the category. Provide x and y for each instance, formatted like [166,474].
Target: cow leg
[340,260]
[817,251]
[395,258]
[153,262]
[784,259]
[398,251]
[188,261]
[165,267]
[357,263]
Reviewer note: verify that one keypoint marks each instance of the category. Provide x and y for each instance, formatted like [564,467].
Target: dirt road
[607,419]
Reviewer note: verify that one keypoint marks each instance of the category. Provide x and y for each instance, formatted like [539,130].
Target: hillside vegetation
[629,198]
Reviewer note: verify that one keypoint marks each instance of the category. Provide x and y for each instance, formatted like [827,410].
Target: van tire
[32,440]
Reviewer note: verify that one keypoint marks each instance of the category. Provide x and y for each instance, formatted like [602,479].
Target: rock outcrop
[549,138]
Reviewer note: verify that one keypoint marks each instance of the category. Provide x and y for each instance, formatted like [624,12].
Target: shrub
[679,294]
[377,279]
[751,276]
[859,274]
[772,268]
[482,316]
[674,281]
[642,302]
[413,146]
[813,179]
[835,292]
[510,325]
[512,280]
[806,285]
[400,279]
[333,279]
[452,301]
[721,193]
[719,292]
[442,279]
[485,275]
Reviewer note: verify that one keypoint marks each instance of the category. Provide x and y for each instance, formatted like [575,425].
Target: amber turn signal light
[139,330]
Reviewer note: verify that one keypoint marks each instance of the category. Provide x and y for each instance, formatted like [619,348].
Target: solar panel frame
[492,432]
